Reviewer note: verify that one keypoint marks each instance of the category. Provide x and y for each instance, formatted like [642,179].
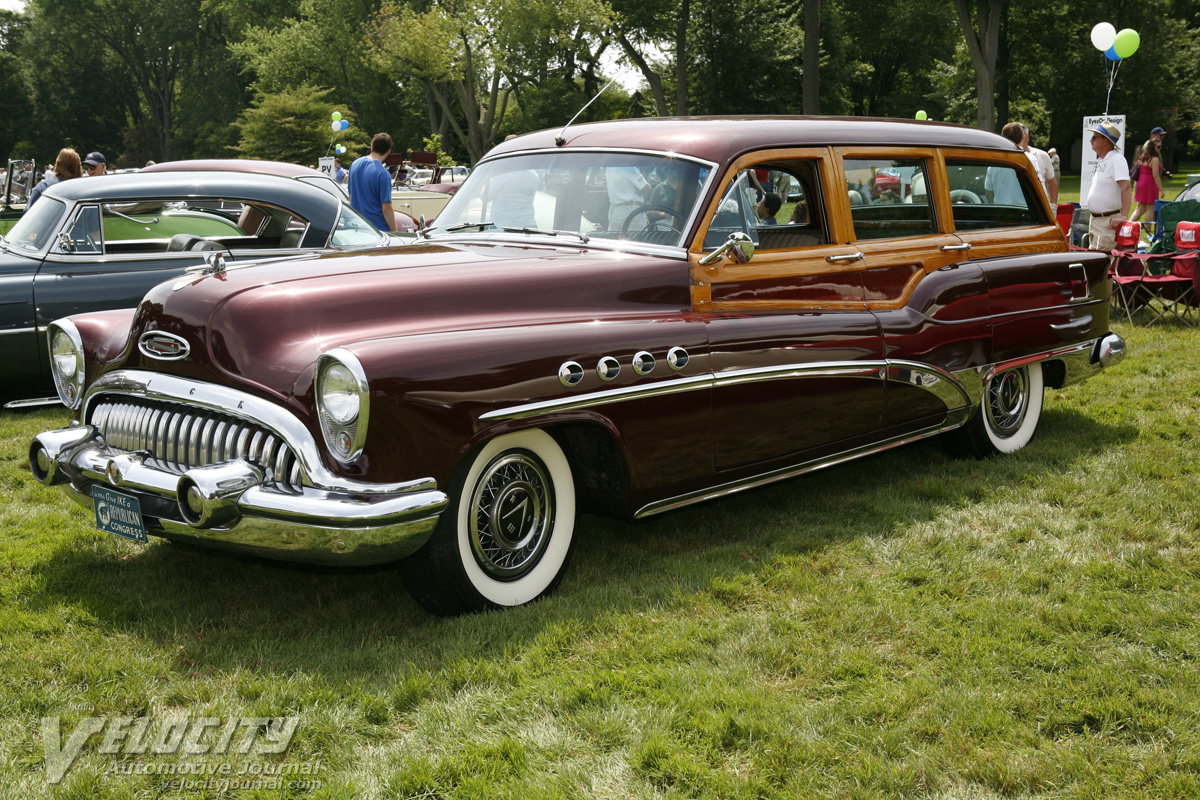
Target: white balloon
[1103,35]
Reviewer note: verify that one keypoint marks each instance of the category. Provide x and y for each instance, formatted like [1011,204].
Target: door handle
[847,257]
[946,248]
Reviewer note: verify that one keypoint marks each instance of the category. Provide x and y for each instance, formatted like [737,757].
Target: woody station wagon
[607,318]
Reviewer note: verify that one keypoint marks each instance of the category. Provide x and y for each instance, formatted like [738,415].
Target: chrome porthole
[608,368]
[570,374]
[677,358]
[643,363]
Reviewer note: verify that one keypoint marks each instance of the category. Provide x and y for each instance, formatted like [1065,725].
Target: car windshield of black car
[636,197]
[36,225]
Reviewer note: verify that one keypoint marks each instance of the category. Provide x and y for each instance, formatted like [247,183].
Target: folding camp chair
[1129,271]
[1176,289]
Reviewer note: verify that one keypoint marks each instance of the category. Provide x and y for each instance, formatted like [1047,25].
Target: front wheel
[1007,417]
[507,534]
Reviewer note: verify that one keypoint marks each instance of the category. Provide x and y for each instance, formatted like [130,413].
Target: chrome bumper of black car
[242,502]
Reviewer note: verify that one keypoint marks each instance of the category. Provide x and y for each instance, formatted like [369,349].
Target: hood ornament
[214,264]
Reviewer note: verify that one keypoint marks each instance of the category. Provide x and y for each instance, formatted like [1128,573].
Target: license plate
[118,513]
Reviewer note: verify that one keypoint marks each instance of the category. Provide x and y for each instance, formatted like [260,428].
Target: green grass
[904,626]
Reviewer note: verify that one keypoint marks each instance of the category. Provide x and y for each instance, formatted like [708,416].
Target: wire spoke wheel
[512,514]
[1007,401]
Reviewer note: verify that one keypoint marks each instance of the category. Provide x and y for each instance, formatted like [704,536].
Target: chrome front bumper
[236,505]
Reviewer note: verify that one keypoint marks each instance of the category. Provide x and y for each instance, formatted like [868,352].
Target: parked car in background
[19,179]
[94,244]
[598,321]
[405,223]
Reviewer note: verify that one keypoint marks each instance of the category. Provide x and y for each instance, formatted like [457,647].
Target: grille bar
[179,438]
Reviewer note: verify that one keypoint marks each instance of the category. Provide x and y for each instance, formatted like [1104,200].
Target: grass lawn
[904,626]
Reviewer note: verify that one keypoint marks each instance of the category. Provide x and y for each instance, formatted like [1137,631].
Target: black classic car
[608,318]
[99,243]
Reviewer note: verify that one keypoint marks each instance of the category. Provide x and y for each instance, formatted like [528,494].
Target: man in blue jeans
[370,185]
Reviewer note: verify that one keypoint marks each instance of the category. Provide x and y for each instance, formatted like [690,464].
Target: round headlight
[66,361]
[64,356]
[343,403]
[339,393]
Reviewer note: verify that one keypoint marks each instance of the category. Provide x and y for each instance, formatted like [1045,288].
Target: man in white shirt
[1045,167]
[627,190]
[1109,195]
[1002,184]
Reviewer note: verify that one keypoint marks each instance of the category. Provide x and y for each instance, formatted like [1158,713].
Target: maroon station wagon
[606,318]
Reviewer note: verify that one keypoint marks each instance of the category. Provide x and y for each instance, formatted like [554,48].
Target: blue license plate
[118,514]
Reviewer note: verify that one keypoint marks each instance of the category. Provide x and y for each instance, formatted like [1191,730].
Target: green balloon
[1126,43]
[335,116]
[922,115]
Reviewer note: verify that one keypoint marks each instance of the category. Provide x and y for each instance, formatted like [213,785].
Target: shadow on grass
[232,614]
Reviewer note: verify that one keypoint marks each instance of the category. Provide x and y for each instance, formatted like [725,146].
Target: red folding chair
[1128,271]
[1177,289]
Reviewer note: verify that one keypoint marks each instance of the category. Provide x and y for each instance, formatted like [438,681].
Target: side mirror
[65,243]
[739,247]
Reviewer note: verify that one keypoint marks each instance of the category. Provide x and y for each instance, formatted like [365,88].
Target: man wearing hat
[94,164]
[1109,196]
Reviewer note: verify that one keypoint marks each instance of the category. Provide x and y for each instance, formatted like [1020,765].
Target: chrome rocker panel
[235,505]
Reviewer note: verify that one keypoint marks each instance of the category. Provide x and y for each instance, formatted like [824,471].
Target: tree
[294,126]
[732,73]
[472,56]
[644,30]
[812,56]
[983,46]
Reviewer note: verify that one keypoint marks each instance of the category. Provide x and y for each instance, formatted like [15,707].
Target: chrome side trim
[13,331]
[954,420]
[942,383]
[575,402]
[959,389]
[36,401]
[155,386]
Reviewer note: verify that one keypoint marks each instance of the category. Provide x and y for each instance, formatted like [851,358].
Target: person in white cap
[1109,195]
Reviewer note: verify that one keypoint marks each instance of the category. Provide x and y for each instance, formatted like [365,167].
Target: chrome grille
[179,437]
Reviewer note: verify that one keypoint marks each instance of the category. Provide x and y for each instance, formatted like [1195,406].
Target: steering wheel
[651,207]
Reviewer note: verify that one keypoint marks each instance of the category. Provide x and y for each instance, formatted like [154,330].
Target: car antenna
[559,140]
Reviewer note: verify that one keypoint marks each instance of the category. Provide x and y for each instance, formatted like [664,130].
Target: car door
[1038,290]
[931,304]
[795,352]
[82,272]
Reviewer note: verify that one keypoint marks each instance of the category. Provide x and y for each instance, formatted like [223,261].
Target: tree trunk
[983,47]
[812,56]
[652,77]
[681,58]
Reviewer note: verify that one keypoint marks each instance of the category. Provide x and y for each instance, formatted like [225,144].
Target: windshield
[353,230]
[624,196]
[36,225]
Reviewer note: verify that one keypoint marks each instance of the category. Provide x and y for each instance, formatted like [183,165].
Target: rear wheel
[1007,417]
[507,534]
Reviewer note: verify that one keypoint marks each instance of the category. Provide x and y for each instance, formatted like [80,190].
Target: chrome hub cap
[1007,401]
[512,513]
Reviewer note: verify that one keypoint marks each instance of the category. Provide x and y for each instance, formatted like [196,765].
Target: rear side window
[888,198]
[990,196]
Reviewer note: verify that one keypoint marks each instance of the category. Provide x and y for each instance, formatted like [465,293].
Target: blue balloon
[345,124]
[1111,54]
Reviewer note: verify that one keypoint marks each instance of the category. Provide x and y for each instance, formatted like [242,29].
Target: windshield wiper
[464,225]
[583,237]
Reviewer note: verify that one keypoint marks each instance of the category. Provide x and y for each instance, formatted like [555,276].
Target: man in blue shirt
[370,185]
[339,174]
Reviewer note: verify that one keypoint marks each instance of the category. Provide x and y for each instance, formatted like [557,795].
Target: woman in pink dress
[1149,183]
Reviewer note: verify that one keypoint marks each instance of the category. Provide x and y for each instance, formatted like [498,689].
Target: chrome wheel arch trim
[235,403]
